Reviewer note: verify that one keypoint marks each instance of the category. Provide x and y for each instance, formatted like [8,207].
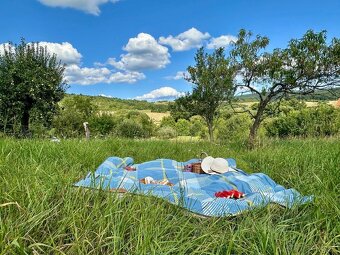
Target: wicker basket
[196,167]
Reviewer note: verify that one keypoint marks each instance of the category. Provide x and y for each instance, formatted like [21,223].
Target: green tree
[74,111]
[307,65]
[31,79]
[142,119]
[83,105]
[168,121]
[183,127]
[179,109]
[212,80]
[197,125]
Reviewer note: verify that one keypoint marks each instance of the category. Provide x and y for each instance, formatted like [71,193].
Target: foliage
[212,79]
[323,120]
[142,119]
[166,132]
[183,127]
[168,121]
[235,128]
[128,128]
[180,109]
[30,80]
[68,124]
[197,126]
[106,104]
[73,113]
[80,104]
[159,107]
[283,106]
[305,66]
[103,124]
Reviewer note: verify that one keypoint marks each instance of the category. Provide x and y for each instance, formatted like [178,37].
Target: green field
[42,213]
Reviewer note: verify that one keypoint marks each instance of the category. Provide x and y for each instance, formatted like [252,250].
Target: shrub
[166,132]
[235,128]
[319,121]
[142,119]
[69,124]
[75,110]
[183,127]
[168,121]
[104,124]
[131,129]
[197,126]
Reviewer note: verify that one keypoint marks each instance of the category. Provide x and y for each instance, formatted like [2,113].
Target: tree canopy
[212,85]
[31,80]
[306,65]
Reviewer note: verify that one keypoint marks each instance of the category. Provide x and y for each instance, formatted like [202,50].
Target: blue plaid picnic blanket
[195,192]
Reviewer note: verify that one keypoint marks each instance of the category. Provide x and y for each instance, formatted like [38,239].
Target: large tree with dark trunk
[212,79]
[31,80]
[306,66]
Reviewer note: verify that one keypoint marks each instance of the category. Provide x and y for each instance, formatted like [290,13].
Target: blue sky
[140,48]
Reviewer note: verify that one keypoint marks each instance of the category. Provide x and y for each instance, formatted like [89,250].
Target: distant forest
[110,104]
[323,95]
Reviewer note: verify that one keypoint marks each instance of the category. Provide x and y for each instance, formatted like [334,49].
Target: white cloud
[187,40]
[86,76]
[4,47]
[179,76]
[163,93]
[126,77]
[103,95]
[64,51]
[143,52]
[89,6]
[75,74]
[221,41]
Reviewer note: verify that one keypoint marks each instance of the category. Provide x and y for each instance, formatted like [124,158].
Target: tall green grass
[42,213]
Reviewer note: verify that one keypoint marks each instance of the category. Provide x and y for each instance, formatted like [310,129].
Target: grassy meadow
[42,213]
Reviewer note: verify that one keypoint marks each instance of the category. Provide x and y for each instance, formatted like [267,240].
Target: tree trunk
[25,119]
[211,131]
[253,132]
[256,124]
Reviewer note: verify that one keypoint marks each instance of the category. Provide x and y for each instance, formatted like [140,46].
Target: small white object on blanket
[149,180]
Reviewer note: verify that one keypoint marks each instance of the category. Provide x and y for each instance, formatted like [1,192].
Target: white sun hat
[212,165]
[220,165]
[206,163]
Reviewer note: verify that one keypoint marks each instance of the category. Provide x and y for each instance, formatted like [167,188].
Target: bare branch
[243,111]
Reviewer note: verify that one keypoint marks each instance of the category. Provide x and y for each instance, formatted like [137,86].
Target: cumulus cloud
[4,47]
[178,76]
[75,74]
[187,40]
[65,52]
[163,93]
[89,6]
[103,95]
[126,77]
[143,52]
[221,41]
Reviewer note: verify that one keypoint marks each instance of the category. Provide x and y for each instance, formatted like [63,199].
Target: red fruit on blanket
[229,194]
